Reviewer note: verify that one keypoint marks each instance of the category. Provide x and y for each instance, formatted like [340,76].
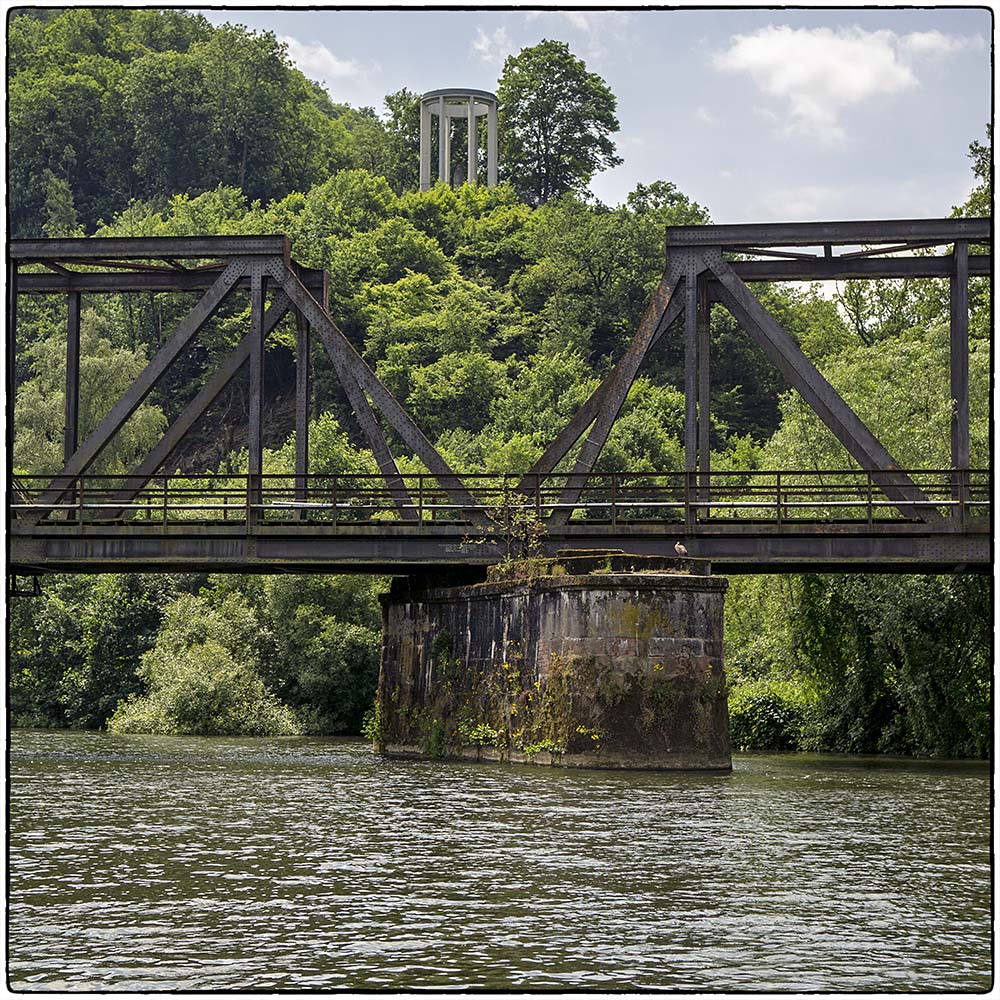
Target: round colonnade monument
[468,105]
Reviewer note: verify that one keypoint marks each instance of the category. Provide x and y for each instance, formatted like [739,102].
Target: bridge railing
[613,499]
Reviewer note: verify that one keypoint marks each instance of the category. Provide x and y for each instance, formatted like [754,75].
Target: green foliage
[203,675]
[556,122]
[203,690]
[768,716]
[105,373]
[119,624]
[494,321]
[151,103]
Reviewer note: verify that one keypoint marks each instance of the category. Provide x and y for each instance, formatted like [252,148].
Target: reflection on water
[183,863]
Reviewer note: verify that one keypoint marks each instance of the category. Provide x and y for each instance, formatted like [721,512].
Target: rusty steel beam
[802,375]
[103,282]
[396,548]
[301,403]
[147,378]
[10,379]
[808,234]
[255,439]
[842,268]
[691,368]
[959,350]
[704,380]
[72,396]
[198,406]
[349,363]
[618,385]
[587,413]
[150,247]
[368,422]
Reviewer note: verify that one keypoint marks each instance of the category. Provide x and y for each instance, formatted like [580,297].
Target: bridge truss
[875,517]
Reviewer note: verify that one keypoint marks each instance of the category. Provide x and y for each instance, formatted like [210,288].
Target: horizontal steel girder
[121,282]
[150,248]
[841,269]
[402,549]
[808,234]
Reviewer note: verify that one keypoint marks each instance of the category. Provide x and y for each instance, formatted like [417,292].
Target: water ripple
[141,863]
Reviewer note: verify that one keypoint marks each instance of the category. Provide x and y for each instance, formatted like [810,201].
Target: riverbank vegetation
[491,315]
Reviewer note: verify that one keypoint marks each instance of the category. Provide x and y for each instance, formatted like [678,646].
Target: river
[177,863]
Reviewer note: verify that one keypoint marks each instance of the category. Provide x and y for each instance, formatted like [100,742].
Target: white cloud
[492,49]
[704,115]
[317,61]
[598,27]
[936,44]
[817,74]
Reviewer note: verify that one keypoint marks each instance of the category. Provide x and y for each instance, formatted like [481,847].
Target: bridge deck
[742,522]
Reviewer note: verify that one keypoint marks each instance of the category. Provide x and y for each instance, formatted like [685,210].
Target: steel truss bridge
[871,517]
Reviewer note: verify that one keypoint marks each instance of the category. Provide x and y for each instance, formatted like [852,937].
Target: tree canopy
[556,122]
[492,314]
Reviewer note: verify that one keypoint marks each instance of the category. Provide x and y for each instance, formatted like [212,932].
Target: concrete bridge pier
[597,660]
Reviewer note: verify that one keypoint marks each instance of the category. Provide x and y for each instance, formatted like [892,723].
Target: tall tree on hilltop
[556,120]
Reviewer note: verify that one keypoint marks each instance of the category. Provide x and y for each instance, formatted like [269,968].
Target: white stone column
[443,144]
[425,146]
[491,144]
[473,165]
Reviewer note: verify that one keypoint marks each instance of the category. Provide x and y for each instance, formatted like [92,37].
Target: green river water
[176,863]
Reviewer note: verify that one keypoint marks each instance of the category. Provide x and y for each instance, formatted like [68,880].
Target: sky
[759,115]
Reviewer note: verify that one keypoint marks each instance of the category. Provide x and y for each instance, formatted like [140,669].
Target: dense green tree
[403,131]
[119,623]
[556,122]
[203,674]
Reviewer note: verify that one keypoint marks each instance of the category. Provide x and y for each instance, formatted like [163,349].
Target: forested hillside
[491,315]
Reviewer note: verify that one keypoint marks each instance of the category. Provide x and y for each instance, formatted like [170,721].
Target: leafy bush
[203,675]
[768,715]
[203,691]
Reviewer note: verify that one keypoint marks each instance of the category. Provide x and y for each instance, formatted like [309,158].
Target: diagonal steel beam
[587,413]
[619,383]
[196,409]
[365,416]
[147,378]
[349,364]
[787,357]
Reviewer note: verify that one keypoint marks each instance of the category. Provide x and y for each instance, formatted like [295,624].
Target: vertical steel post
[704,385]
[689,512]
[959,300]
[301,409]
[691,370]
[11,381]
[71,431]
[256,395]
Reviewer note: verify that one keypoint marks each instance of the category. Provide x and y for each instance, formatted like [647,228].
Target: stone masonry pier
[606,661]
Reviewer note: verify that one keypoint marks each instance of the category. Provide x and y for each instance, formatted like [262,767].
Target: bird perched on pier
[681,549]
